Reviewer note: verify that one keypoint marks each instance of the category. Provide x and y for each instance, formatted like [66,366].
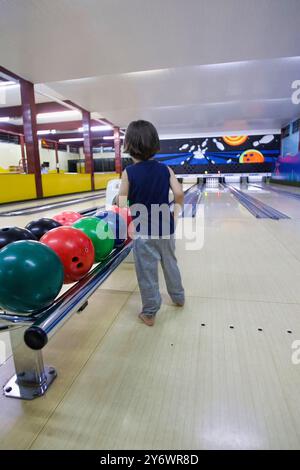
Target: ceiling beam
[4,126]
[64,125]
[9,74]
[60,127]
[75,135]
[105,121]
[49,107]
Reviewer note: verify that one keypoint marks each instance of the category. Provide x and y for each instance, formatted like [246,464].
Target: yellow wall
[101,179]
[56,184]
[16,187]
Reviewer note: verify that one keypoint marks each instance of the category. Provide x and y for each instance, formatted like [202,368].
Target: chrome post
[32,377]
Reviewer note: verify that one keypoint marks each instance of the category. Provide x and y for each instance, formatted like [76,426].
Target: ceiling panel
[219,96]
[190,66]
[54,40]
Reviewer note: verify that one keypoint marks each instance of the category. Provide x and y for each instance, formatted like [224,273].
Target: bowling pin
[192,148]
[219,145]
[204,143]
[266,139]
[198,153]
[184,147]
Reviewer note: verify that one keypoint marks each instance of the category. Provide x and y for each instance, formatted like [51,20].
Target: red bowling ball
[123,212]
[67,218]
[75,250]
[130,233]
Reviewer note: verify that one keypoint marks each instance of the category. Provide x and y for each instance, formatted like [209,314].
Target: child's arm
[177,192]
[122,197]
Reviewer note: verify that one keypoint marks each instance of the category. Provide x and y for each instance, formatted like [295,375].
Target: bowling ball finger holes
[5,229]
[79,263]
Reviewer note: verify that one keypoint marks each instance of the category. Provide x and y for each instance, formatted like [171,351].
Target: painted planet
[235,140]
[252,156]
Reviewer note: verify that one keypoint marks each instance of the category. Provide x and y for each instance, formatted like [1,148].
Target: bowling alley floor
[216,374]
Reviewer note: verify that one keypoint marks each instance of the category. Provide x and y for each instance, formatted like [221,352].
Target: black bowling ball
[41,226]
[13,234]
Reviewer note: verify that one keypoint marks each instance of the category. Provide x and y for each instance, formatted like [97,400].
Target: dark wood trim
[10,74]
[48,107]
[30,134]
[10,128]
[23,155]
[117,144]
[87,146]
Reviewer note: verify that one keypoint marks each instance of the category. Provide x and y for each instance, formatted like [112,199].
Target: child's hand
[176,212]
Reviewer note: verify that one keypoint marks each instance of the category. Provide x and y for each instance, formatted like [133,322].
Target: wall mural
[287,166]
[227,154]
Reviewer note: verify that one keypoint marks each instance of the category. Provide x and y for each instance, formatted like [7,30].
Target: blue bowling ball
[116,223]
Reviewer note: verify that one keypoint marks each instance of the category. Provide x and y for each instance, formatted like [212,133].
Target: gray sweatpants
[147,254]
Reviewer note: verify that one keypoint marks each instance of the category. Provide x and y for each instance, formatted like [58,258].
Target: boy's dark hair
[141,140]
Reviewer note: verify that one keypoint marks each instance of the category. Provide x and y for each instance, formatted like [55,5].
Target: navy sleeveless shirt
[149,185]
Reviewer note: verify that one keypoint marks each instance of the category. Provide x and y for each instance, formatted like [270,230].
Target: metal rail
[46,325]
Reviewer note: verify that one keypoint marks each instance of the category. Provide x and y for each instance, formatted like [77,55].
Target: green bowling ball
[31,276]
[100,233]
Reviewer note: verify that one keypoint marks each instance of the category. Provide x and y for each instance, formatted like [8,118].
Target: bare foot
[147,319]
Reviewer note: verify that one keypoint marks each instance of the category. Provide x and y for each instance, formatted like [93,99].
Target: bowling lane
[282,187]
[240,257]
[50,200]
[219,203]
[280,202]
[22,220]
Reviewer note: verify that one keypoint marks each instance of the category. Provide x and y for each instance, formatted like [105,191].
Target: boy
[146,185]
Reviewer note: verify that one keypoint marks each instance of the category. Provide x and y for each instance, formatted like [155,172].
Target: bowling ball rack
[30,334]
